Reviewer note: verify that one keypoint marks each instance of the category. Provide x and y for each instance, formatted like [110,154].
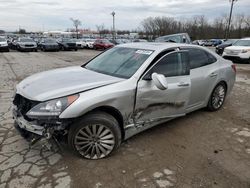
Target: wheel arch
[220,81]
[223,82]
[113,112]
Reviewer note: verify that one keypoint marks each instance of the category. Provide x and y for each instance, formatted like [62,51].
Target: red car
[102,44]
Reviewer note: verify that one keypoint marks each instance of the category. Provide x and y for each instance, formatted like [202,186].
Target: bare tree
[76,24]
[198,26]
[100,29]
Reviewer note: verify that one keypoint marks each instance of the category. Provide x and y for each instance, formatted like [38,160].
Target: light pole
[227,34]
[113,14]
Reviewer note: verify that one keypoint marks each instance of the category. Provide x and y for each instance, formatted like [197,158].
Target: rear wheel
[217,97]
[95,136]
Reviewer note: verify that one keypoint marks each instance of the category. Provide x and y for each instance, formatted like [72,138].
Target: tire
[76,49]
[217,97]
[104,142]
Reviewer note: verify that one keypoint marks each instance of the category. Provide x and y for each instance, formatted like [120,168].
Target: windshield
[74,40]
[50,40]
[26,40]
[230,41]
[105,41]
[175,39]
[90,40]
[120,62]
[242,43]
[2,40]
[66,40]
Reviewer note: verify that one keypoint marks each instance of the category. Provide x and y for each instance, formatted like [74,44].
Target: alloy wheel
[218,96]
[94,141]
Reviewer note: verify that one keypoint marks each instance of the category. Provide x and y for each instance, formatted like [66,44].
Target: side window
[199,58]
[174,64]
[211,58]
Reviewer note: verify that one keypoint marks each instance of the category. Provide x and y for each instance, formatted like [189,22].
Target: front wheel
[217,97]
[95,136]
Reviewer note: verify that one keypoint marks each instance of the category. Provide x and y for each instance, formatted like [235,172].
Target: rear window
[199,58]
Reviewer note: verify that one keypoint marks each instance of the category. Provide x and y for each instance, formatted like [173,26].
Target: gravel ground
[202,149]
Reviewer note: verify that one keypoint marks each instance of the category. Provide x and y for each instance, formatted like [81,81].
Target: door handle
[183,84]
[213,74]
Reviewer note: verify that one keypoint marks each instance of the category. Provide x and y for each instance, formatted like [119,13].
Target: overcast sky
[54,14]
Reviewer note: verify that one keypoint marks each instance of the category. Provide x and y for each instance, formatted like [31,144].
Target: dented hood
[62,82]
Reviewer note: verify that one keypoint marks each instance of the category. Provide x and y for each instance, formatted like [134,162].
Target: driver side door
[154,104]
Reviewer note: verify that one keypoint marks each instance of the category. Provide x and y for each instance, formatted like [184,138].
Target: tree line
[198,27]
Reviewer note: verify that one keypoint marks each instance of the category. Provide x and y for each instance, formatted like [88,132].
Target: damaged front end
[45,129]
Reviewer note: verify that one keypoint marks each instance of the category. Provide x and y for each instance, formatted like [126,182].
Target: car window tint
[198,58]
[211,58]
[175,64]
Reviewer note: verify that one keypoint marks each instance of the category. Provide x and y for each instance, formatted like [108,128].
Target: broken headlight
[52,108]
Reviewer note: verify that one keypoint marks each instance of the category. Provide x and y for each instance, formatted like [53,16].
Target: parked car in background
[176,38]
[48,44]
[102,44]
[116,41]
[120,93]
[139,40]
[81,43]
[89,43]
[239,52]
[4,47]
[212,42]
[67,44]
[220,48]
[198,42]
[26,44]
[12,43]
[78,43]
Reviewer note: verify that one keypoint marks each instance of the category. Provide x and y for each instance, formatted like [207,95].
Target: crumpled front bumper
[23,124]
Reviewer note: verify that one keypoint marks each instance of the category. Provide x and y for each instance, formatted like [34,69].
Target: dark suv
[67,44]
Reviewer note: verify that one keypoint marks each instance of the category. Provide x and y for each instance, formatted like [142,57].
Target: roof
[247,38]
[153,45]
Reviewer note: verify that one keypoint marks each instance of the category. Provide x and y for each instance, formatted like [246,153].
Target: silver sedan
[119,93]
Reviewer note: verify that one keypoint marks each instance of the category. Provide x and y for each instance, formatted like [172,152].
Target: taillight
[234,67]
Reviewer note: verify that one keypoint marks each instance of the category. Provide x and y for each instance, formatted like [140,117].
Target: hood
[224,45]
[62,82]
[50,44]
[4,43]
[27,43]
[238,48]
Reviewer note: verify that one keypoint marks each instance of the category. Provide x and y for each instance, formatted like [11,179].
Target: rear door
[153,104]
[203,75]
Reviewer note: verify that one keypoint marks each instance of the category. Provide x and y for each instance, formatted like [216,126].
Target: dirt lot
[202,149]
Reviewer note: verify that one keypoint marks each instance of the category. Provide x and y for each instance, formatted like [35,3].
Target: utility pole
[113,14]
[227,33]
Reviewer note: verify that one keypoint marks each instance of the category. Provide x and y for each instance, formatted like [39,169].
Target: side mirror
[160,81]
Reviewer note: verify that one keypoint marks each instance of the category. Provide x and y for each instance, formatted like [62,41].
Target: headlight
[245,51]
[4,44]
[53,107]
